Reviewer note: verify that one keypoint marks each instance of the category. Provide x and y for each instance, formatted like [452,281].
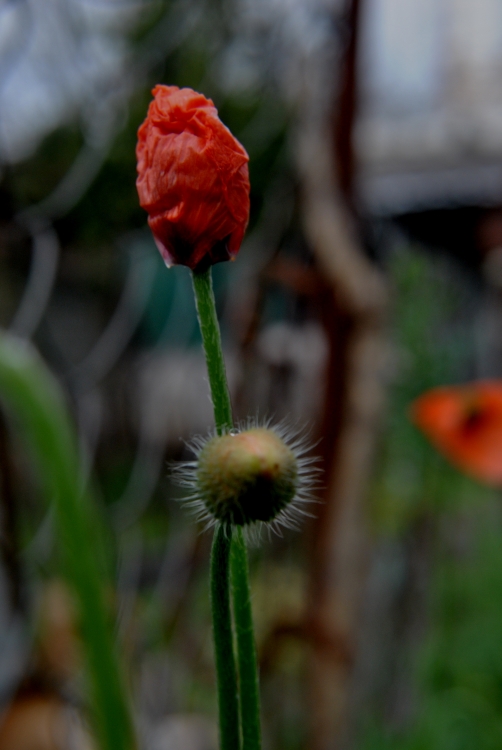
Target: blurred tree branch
[355,317]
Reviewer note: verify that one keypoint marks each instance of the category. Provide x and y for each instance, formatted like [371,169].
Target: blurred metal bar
[9,542]
[74,183]
[147,466]
[121,326]
[45,257]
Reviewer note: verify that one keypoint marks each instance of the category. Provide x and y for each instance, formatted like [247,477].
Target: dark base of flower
[262,500]
[179,252]
[218,254]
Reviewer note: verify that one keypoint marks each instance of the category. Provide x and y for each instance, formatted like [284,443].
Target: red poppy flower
[465,424]
[192,179]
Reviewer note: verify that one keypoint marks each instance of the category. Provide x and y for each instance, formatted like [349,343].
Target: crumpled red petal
[193,179]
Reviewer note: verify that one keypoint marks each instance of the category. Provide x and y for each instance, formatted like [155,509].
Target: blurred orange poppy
[465,424]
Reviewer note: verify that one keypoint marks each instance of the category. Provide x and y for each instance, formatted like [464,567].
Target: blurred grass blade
[33,398]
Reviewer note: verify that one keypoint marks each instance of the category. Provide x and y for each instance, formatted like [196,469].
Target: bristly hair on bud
[256,476]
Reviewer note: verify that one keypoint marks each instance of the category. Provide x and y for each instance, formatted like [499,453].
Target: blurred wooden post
[355,322]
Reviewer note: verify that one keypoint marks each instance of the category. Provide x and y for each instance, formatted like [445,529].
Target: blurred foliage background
[412,654]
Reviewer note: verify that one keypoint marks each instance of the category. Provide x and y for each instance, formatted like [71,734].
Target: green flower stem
[33,397]
[211,339]
[226,673]
[248,668]
[223,641]
[248,673]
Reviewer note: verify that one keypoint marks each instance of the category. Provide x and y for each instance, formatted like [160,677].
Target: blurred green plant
[432,345]
[456,673]
[33,398]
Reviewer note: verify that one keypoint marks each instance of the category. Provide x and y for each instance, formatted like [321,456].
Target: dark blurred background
[371,271]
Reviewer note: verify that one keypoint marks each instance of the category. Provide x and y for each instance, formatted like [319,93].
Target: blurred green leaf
[33,398]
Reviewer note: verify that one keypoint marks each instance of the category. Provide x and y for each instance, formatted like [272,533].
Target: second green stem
[249,692]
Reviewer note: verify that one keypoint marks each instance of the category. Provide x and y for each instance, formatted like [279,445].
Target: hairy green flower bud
[254,476]
[247,477]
